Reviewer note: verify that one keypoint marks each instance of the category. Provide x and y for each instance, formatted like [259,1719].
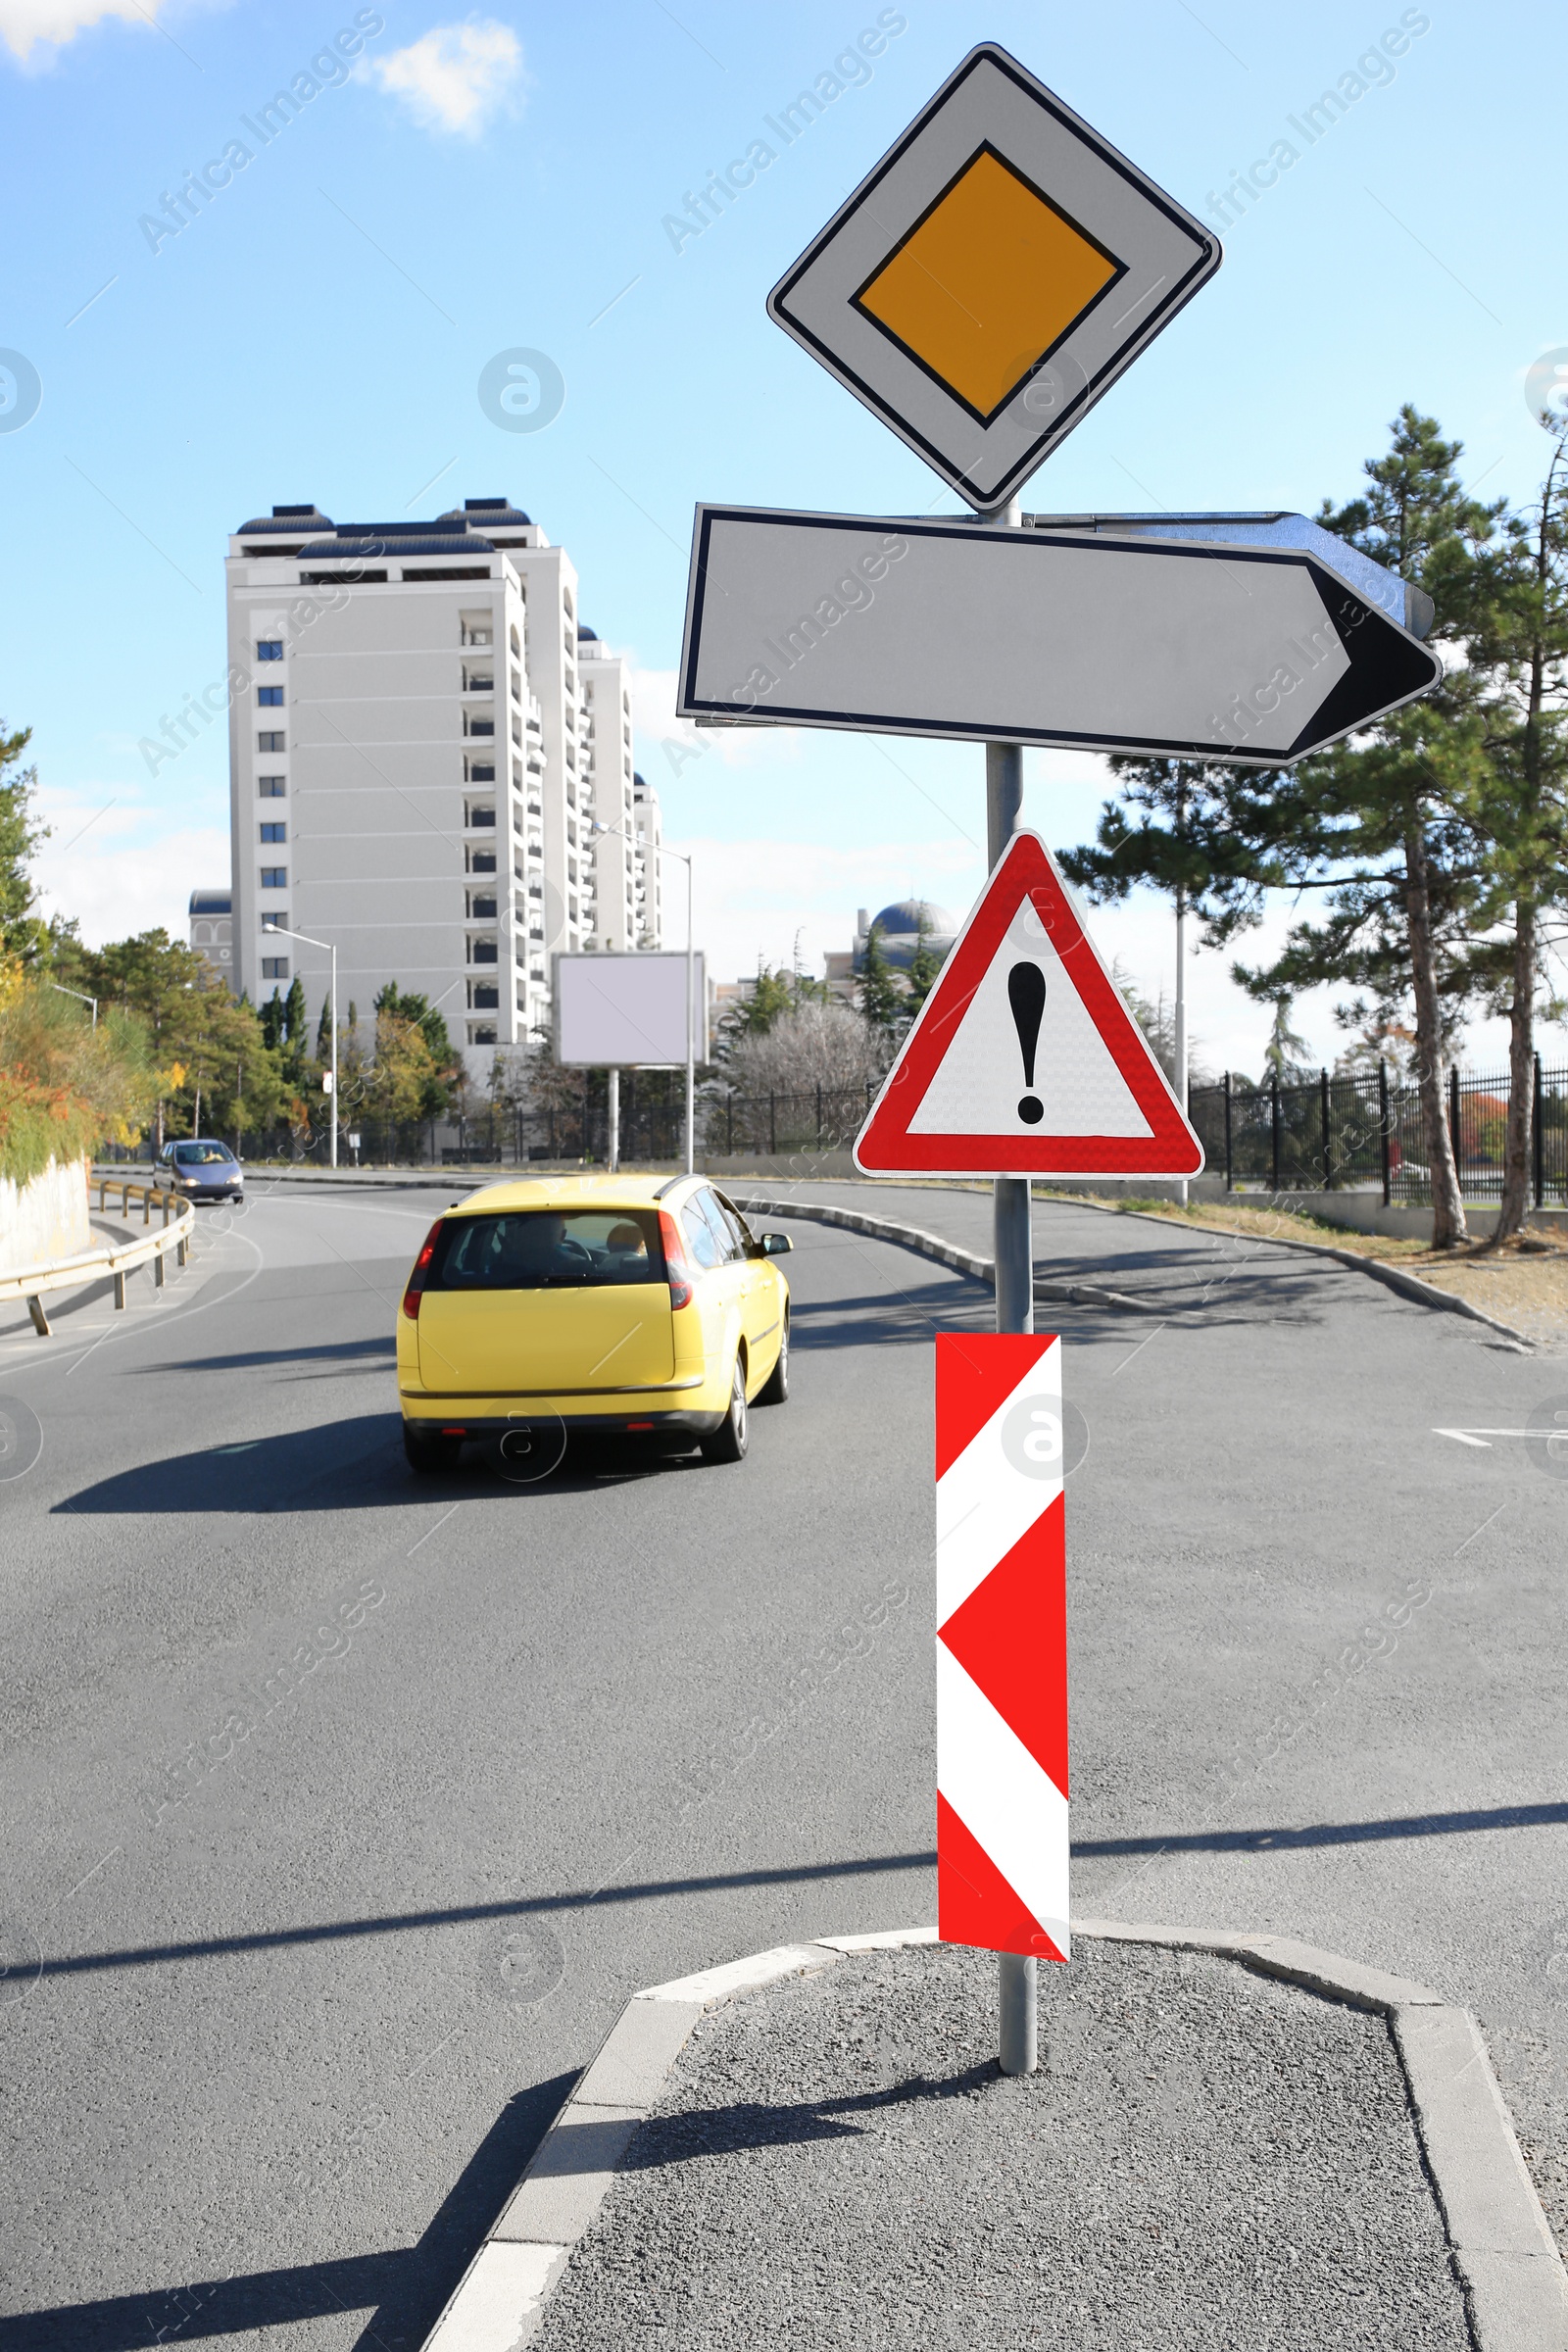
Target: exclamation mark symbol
[1026,993]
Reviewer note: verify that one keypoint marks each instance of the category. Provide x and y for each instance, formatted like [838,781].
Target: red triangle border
[886,1148]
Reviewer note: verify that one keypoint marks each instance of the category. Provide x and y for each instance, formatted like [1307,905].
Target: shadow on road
[889,1318]
[375,1354]
[332,1466]
[404,2287]
[1327,1833]
[458,1915]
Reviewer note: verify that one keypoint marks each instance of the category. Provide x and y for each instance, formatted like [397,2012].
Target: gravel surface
[1206,2158]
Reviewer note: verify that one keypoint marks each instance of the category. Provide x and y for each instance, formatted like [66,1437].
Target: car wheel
[776,1388]
[429,1455]
[728,1440]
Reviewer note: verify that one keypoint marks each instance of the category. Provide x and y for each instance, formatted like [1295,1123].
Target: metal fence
[651,1131]
[1360,1132]
[1365,1132]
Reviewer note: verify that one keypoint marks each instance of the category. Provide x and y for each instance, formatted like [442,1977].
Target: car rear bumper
[687,1422]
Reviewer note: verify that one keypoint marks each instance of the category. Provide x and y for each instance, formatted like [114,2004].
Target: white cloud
[756,898]
[23,24]
[455,77]
[666,746]
[120,866]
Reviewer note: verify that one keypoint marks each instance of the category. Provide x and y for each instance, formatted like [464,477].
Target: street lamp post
[281,931]
[691,992]
[60,989]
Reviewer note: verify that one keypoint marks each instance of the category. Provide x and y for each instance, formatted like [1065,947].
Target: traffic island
[1229,2142]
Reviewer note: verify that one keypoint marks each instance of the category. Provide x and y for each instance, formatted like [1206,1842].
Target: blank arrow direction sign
[1167,647]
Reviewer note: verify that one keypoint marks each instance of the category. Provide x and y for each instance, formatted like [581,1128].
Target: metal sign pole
[612,1116]
[1016,1311]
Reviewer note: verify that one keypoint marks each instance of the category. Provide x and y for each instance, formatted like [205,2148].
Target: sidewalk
[1206,2158]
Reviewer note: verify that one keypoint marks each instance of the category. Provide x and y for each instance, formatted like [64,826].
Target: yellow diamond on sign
[987,282]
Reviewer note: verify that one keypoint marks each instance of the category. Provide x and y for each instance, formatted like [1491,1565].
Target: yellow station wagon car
[636,1307]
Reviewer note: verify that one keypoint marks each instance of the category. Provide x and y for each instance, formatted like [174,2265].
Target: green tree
[924,965]
[1285,1054]
[296,1016]
[1519,804]
[446,1066]
[157,979]
[876,990]
[1380,823]
[400,1078]
[231,1081]
[21,933]
[1391,805]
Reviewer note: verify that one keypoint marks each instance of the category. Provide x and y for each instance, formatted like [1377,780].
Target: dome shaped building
[899,928]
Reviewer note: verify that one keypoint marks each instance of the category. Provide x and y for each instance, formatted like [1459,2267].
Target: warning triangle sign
[1023,1059]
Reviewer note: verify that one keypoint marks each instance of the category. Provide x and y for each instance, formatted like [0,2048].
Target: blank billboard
[627,1012]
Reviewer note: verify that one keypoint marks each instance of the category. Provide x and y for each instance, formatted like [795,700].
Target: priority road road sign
[992,277]
[1002,1645]
[1024,1060]
[1091,638]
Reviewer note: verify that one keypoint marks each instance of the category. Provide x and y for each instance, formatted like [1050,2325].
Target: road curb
[1430,1293]
[1504,2253]
[932,1246]
[1083,1293]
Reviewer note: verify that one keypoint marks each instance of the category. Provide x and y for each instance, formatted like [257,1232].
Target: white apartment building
[647,877]
[421,737]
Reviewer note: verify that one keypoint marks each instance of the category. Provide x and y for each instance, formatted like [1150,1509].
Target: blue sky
[481,182]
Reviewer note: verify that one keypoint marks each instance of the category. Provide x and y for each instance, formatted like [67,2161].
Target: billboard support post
[612,1117]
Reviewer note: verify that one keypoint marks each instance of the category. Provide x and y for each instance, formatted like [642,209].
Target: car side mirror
[774,1244]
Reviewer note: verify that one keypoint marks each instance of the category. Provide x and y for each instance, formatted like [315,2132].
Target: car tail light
[677,1266]
[421,1266]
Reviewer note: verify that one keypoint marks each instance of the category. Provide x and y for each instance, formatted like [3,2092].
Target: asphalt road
[345,1809]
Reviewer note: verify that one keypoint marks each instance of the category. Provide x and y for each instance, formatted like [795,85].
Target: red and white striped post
[1001,1662]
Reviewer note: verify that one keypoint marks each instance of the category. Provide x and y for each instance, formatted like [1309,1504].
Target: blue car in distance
[201,1170]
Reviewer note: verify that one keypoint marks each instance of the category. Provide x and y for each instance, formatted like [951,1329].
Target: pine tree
[1381,823]
[877,991]
[21,933]
[924,964]
[295,1019]
[1519,661]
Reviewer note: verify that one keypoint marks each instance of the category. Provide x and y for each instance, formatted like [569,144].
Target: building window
[269,743]
[477,726]
[275,967]
[275,918]
[483,995]
[481,861]
[274,877]
[269,648]
[482,905]
[479,771]
[481,1033]
[270,788]
[271,697]
[274,832]
[482,950]
[480,813]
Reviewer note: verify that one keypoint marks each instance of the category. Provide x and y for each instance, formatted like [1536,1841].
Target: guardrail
[34,1283]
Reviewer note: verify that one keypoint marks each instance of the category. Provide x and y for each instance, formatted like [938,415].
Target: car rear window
[546,1249]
